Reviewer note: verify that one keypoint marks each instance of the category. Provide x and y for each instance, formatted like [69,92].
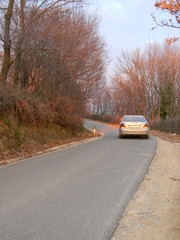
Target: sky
[127,24]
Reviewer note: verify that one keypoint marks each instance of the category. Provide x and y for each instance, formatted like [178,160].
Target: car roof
[133,116]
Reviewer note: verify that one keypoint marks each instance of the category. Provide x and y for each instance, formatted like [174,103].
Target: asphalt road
[77,193]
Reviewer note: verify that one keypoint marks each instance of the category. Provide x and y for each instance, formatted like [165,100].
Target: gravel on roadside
[154,211]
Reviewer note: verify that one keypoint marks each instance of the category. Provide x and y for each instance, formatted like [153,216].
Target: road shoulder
[154,211]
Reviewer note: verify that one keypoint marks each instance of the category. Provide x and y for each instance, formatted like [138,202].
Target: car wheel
[147,136]
[120,136]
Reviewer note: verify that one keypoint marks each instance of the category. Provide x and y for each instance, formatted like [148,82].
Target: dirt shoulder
[154,211]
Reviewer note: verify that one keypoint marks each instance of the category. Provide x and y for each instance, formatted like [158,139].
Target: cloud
[112,6]
[116,5]
[113,11]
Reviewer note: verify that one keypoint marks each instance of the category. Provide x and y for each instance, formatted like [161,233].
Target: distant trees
[130,81]
[52,50]
[147,82]
[144,82]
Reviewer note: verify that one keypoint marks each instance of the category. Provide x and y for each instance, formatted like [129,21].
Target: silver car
[134,125]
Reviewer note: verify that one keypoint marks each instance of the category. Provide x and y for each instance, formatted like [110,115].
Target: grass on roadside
[23,141]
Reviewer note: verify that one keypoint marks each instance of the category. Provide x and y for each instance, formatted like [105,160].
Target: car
[134,125]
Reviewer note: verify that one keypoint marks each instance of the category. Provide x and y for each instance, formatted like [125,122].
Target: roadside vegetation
[52,60]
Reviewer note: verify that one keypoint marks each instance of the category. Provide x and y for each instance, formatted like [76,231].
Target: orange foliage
[171,40]
[173,6]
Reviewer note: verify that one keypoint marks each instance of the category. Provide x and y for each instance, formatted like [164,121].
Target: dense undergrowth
[28,123]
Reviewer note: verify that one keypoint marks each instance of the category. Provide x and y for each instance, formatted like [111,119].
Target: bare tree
[24,14]
[130,77]
[67,54]
[147,82]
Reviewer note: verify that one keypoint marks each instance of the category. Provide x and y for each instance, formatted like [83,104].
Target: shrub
[170,125]
[22,107]
[25,109]
[69,113]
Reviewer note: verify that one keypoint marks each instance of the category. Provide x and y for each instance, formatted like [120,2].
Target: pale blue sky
[127,24]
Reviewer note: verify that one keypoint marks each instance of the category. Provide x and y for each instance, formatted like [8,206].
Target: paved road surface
[77,193]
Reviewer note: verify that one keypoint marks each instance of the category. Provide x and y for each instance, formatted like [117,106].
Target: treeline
[52,60]
[145,82]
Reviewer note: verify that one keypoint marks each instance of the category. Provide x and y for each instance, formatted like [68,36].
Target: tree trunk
[7,43]
[18,51]
[17,65]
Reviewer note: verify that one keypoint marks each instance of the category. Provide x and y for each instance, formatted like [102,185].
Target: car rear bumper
[124,132]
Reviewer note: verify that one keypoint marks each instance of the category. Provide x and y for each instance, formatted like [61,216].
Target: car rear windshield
[134,119]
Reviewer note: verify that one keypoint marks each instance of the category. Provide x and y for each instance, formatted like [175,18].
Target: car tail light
[146,125]
[122,125]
